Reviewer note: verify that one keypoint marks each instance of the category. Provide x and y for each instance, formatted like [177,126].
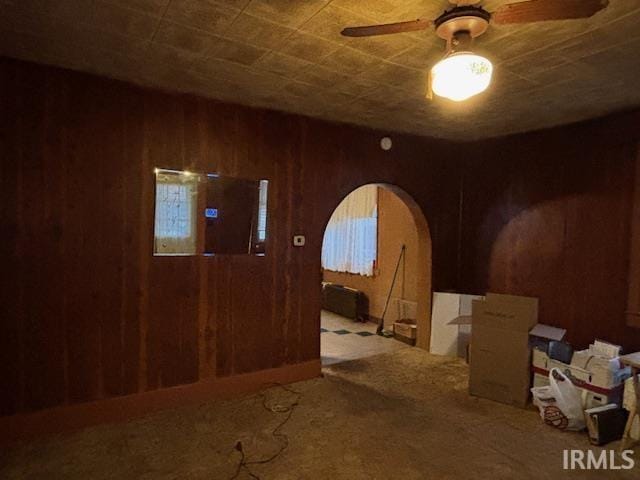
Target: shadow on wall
[557,230]
[528,183]
[546,252]
[528,249]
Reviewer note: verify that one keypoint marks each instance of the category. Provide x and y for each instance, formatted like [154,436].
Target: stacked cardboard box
[500,356]
[601,360]
[600,377]
[500,365]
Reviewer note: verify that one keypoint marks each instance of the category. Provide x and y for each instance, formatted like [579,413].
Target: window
[262,211]
[173,211]
[209,214]
[351,239]
[175,223]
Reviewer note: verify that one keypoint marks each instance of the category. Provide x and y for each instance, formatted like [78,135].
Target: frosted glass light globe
[461,76]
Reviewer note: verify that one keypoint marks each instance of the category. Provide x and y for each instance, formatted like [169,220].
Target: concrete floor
[345,339]
[401,415]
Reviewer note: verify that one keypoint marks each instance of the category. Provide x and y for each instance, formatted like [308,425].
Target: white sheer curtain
[175,218]
[351,239]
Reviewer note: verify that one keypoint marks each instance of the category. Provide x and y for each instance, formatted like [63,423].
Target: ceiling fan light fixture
[461,75]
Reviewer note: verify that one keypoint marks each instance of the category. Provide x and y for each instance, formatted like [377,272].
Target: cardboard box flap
[461,320]
[466,301]
[548,332]
[447,336]
[530,302]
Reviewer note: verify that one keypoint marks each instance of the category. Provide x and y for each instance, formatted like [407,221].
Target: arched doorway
[414,263]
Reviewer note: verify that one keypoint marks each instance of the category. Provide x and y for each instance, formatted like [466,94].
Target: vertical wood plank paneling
[297,224]
[189,273]
[111,231]
[32,168]
[310,278]
[250,280]
[135,251]
[51,222]
[82,256]
[547,215]
[223,295]
[44,311]
[11,305]
[162,133]
[278,237]
[633,275]
[92,313]
[189,324]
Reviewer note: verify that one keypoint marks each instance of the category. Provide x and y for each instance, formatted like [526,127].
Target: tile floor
[343,339]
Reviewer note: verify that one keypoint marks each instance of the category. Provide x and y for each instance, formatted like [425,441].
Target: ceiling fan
[462,74]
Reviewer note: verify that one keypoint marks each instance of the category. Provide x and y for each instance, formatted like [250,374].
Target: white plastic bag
[560,403]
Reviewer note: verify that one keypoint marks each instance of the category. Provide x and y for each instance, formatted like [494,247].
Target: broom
[380,330]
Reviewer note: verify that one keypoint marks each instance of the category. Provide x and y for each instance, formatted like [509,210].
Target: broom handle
[393,282]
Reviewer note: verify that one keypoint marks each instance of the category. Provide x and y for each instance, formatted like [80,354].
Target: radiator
[344,301]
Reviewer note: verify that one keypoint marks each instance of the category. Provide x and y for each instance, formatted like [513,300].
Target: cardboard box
[451,324]
[592,396]
[585,359]
[540,359]
[405,328]
[589,399]
[500,355]
[499,369]
[577,375]
[606,378]
[539,338]
[405,331]
[540,380]
[541,335]
[592,399]
[506,312]
[606,372]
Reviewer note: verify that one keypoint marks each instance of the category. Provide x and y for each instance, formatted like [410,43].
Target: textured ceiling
[289,55]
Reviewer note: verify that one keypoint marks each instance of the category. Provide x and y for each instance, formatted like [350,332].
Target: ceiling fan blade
[541,10]
[387,28]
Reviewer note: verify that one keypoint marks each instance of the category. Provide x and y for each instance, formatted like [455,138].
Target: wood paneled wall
[88,312]
[547,214]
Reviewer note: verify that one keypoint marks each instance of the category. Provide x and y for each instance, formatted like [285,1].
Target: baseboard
[120,409]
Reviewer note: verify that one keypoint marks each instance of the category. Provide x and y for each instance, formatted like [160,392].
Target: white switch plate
[298,240]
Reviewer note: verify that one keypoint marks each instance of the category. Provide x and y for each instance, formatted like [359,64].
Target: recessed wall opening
[209,214]
[376,275]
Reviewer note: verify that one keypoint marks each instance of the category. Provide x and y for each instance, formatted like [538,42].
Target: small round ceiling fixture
[461,74]
[386,143]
